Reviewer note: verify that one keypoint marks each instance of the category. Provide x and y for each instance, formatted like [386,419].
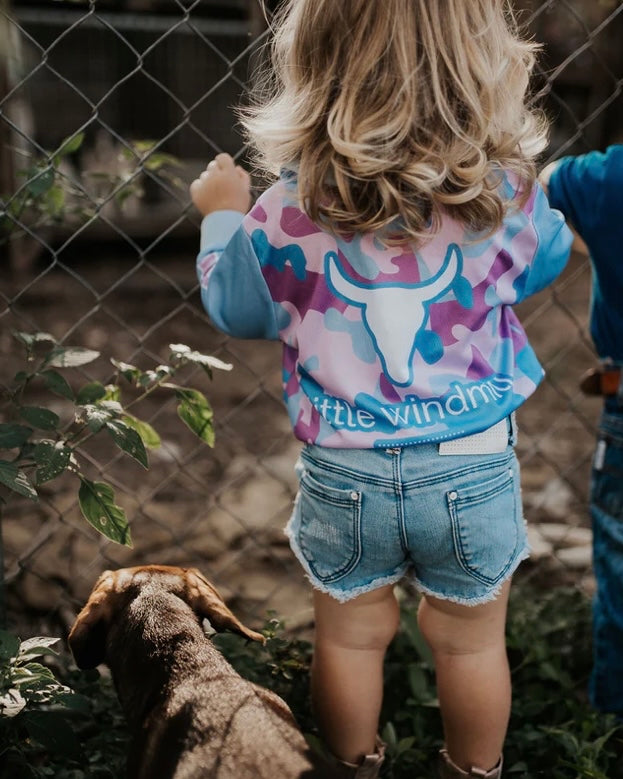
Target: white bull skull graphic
[394,313]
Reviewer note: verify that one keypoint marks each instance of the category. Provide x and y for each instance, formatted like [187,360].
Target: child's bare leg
[473,677]
[347,669]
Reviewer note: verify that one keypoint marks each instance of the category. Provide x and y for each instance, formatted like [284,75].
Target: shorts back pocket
[329,528]
[487,524]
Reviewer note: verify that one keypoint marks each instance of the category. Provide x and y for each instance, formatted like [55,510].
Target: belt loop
[512,429]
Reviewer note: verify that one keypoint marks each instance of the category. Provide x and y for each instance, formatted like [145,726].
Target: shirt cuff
[218,227]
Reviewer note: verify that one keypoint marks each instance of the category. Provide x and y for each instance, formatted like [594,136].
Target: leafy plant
[281,664]
[40,445]
[50,729]
[32,705]
[52,192]
[553,734]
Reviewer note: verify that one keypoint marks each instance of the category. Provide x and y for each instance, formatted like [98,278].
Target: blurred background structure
[108,109]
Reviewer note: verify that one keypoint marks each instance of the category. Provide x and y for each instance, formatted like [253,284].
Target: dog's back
[190,713]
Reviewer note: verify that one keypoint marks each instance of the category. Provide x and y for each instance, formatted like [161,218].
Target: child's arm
[579,187]
[233,290]
[544,178]
[553,247]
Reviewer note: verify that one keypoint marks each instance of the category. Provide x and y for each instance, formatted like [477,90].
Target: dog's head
[114,589]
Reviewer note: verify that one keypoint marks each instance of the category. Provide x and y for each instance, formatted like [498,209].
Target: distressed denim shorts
[364,518]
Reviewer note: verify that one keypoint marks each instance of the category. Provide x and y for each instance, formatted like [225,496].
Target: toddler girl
[404,224]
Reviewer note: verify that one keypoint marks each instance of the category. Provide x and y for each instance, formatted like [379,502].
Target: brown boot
[367,768]
[449,770]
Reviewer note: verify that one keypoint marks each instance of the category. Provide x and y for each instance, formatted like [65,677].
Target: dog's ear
[206,602]
[87,638]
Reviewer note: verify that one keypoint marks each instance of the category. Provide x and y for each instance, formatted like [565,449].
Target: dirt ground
[224,509]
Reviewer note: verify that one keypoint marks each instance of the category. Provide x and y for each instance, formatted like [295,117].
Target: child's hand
[223,186]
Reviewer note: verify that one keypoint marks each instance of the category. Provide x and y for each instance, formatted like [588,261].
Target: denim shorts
[364,518]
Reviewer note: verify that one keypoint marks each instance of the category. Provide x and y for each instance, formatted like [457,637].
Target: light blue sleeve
[233,289]
[553,248]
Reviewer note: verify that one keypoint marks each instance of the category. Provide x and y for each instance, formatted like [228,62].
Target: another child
[404,224]
[589,190]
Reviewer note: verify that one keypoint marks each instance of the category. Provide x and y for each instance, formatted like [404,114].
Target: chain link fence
[108,110]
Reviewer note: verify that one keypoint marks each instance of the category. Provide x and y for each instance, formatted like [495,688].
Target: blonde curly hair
[395,113]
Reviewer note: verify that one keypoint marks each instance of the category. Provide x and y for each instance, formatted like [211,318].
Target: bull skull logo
[394,313]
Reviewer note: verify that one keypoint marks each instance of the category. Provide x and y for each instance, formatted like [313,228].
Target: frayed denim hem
[340,595]
[477,600]
[345,595]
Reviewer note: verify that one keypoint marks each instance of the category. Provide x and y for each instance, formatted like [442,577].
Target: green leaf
[113,392]
[195,411]
[22,377]
[129,372]
[71,144]
[129,440]
[40,181]
[11,703]
[150,437]
[157,160]
[41,418]
[97,415]
[418,682]
[14,479]
[9,645]
[51,730]
[36,647]
[389,735]
[13,436]
[143,146]
[405,744]
[55,201]
[30,339]
[153,377]
[52,459]
[30,677]
[97,503]
[90,393]
[126,192]
[57,384]
[206,361]
[70,357]
[411,629]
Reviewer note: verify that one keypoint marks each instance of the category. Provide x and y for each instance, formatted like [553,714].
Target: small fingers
[221,163]
[224,161]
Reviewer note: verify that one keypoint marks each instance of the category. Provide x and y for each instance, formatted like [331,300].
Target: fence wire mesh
[108,110]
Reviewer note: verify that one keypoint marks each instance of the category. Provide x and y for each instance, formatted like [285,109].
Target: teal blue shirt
[589,191]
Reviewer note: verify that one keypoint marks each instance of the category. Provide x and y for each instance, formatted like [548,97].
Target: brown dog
[190,713]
